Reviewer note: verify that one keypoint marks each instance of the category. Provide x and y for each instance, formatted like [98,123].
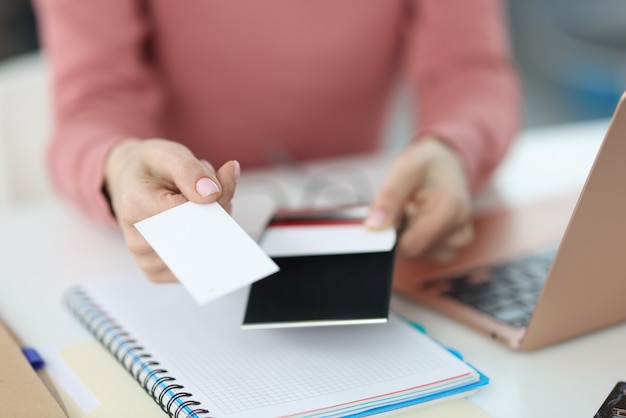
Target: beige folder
[22,391]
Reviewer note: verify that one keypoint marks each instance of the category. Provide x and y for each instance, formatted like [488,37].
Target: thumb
[196,179]
[403,178]
[207,186]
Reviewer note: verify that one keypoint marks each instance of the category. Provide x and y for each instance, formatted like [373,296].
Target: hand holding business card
[334,266]
[205,248]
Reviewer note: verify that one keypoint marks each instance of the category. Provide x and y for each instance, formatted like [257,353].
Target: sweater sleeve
[467,89]
[103,90]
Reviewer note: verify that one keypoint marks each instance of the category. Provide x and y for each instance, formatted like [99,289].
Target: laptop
[542,273]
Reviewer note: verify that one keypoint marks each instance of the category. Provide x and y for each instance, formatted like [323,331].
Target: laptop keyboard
[508,291]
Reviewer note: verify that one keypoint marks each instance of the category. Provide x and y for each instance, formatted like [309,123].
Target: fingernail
[237,169]
[377,218]
[205,186]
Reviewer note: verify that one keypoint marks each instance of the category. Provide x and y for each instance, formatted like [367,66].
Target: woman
[150,95]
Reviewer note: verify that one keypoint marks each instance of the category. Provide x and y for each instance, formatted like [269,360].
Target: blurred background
[571,55]
[17,28]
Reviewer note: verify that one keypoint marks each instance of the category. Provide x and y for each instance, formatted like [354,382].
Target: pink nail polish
[206,186]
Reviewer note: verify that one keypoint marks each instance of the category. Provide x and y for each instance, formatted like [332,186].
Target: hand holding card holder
[333,271]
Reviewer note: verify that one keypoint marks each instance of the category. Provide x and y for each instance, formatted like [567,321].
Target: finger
[153,267]
[155,196]
[442,255]
[137,204]
[435,220]
[403,178]
[166,276]
[446,249]
[175,162]
[228,175]
[135,242]
[145,257]
[461,237]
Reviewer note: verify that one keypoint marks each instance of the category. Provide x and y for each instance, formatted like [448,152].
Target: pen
[33,357]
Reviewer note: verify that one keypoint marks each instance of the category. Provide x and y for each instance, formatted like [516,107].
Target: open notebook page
[278,372]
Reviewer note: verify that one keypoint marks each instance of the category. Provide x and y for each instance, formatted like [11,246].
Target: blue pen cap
[33,357]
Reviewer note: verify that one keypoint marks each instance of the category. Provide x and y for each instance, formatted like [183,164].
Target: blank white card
[203,246]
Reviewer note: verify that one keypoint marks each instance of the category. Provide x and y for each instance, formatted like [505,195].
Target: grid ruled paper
[277,372]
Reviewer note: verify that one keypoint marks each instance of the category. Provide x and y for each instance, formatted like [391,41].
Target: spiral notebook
[195,361]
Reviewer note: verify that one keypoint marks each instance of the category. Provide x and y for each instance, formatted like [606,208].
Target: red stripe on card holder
[314,222]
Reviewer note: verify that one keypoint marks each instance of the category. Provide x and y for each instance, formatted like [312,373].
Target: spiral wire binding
[163,389]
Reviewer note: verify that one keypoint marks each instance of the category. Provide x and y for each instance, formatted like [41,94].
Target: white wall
[24,128]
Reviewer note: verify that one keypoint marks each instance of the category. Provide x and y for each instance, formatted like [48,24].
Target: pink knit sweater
[237,79]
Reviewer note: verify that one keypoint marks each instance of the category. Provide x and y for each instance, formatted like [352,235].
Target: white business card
[203,246]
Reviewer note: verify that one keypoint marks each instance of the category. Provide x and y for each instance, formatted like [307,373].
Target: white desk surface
[46,247]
